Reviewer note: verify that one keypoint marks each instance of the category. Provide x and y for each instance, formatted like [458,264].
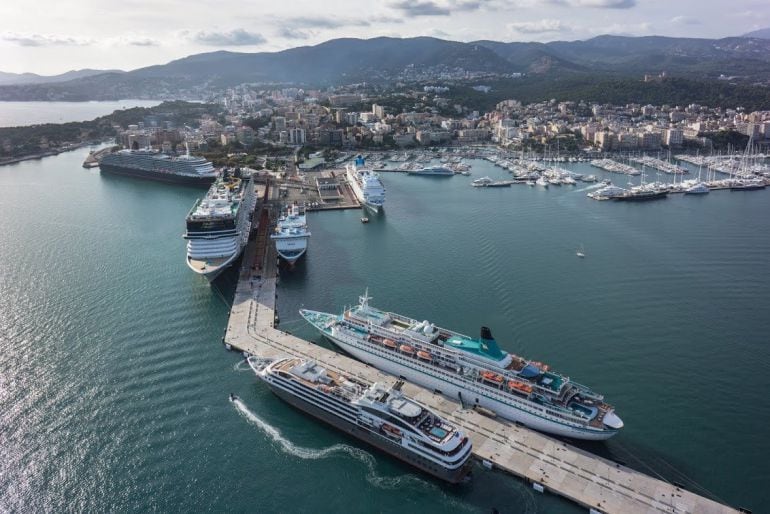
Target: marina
[591,481]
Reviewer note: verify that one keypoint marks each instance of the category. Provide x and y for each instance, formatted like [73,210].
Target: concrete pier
[591,481]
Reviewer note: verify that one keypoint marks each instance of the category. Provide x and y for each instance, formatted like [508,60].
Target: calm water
[114,384]
[17,114]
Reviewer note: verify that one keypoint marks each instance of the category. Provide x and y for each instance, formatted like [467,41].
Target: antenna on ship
[364,300]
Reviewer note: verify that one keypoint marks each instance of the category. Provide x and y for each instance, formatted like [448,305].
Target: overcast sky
[53,36]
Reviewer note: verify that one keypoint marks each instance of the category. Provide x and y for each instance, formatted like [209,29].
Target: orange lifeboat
[422,354]
[390,429]
[519,386]
[492,377]
[390,343]
[405,348]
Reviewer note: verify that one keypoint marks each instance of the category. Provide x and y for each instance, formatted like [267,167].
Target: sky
[54,36]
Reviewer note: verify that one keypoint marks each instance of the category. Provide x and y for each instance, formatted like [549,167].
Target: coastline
[50,153]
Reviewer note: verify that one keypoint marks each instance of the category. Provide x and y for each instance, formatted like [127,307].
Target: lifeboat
[405,348]
[390,343]
[492,377]
[422,354]
[519,386]
[390,429]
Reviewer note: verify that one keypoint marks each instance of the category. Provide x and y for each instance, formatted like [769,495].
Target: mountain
[761,33]
[383,59]
[638,55]
[33,78]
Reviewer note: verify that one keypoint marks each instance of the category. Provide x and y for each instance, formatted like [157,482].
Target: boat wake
[382,482]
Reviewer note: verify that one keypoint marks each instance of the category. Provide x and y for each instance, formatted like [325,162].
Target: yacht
[433,171]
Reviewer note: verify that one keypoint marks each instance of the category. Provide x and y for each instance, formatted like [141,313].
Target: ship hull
[458,390]
[291,250]
[170,178]
[363,434]
[212,273]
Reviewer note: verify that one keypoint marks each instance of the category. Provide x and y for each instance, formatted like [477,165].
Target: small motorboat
[364,220]
[233,397]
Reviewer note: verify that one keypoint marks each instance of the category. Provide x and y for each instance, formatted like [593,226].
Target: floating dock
[598,484]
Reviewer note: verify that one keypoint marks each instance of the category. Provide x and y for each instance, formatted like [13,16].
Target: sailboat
[581,252]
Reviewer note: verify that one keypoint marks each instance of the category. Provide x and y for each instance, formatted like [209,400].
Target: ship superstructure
[218,225]
[372,412]
[474,371]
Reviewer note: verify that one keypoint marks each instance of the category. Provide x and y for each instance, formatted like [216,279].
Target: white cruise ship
[218,225]
[291,234]
[374,413]
[366,185]
[474,371]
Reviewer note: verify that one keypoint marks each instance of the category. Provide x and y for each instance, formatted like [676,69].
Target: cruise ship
[381,416]
[433,171]
[366,185]
[218,225]
[291,234]
[474,371]
[149,164]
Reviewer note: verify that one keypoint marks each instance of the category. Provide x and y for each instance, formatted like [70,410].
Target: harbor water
[114,383]
[18,114]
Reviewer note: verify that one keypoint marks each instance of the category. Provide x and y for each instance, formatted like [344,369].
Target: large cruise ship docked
[149,164]
[381,416]
[218,225]
[291,234]
[433,171]
[473,371]
[366,185]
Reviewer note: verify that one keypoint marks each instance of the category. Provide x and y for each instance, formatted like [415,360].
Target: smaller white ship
[366,185]
[291,234]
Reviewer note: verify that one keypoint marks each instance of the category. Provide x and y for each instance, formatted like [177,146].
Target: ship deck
[207,264]
[587,479]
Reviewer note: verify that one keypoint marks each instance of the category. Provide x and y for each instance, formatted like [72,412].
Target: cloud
[43,40]
[684,20]
[623,29]
[539,27]
[323,22]
[290,33]
[141,41]
[598,4]
[236,37]
[417,8]
[440,8]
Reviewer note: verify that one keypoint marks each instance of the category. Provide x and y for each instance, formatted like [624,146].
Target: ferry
[474,371]
[374,413]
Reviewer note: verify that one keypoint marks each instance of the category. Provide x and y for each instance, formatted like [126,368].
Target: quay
[598,484]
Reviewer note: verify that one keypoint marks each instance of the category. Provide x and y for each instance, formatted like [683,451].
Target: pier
[550,465]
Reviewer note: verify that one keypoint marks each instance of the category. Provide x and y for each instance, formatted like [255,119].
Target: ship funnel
[489,346]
